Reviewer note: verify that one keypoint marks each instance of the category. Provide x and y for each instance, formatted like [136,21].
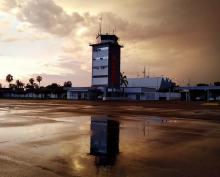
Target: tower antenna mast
[148,72]
[100,25]
[144,72]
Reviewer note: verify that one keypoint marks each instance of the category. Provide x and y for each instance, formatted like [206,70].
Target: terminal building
[200,93]
[151,88]
[105,77]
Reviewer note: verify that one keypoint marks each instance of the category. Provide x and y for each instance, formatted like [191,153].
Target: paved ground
[156,139]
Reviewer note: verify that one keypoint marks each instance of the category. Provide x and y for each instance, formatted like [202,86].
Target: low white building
[150,88]
[150,94]
[78,93]
[127,93]
[158,83]
[82,93]
[140,93]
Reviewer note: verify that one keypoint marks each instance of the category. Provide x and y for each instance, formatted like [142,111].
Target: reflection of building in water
[104,143]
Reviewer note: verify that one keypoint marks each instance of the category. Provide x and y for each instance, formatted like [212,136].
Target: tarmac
[156,139]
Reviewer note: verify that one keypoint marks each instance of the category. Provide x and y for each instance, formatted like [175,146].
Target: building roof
[138,89]
[150,82]
[81,89]
[106,39]
[211,87]
[106,43]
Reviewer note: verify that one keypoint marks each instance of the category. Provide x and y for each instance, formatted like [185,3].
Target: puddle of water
[113,146]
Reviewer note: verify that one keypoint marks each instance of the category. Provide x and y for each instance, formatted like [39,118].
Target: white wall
[100,81]
[154,82]
[72,95]
[154,96]
[170,95]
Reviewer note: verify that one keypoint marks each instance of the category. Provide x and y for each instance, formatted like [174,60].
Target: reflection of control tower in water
[104,143]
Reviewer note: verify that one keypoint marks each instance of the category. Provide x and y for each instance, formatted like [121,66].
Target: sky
[179,39]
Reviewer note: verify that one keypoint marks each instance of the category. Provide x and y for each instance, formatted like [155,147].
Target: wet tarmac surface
[42,141]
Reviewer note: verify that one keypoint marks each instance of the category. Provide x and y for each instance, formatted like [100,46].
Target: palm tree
[19,84]
[39,79]
[123,81]
[31,81]
[67,84]
[9,79]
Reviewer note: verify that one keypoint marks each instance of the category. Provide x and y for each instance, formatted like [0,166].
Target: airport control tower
[106,56]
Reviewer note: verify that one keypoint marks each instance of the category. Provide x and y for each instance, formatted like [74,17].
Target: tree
[67,84]
[31,85]
[54,88]
[39,79]
[123,81]
[31,81]
[12,86]
[36,86]
[19,84]
[9,79]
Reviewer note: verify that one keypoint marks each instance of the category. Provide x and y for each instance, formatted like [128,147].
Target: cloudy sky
[179,39]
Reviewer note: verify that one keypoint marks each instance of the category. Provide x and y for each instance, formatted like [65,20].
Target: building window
[95,67]
[97,50]
[104,48]
[99,67]
[100,49]
[101,58]
[103,67]
[101,76]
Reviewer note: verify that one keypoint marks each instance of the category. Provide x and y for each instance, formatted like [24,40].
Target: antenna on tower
[189,82]
[144,72]
[148,70]
[100,25]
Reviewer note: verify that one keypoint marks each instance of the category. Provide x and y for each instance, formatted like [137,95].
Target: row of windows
[100,76]
[100,58]
[99,67]
[100,49]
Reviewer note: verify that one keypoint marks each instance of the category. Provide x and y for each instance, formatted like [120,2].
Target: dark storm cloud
[49,17]
[188,28]
[183,35]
